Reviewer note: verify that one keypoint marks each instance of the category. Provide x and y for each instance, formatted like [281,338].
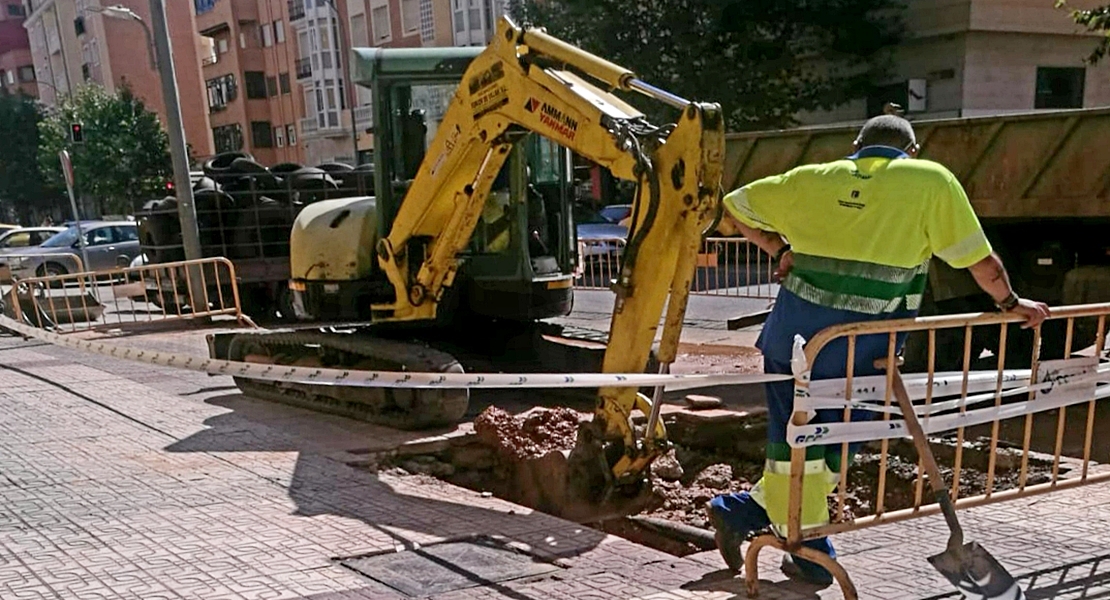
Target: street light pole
[183,186]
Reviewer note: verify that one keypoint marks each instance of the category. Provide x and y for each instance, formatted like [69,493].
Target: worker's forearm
[992,277]
[768,241]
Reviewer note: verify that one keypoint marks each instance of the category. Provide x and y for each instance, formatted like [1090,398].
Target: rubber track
[407,409]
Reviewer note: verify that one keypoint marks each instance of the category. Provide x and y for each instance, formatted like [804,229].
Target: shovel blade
[977,574]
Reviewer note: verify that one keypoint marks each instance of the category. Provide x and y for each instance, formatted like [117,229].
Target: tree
[1096,20]
[22,189]
[763,60]
[125,154]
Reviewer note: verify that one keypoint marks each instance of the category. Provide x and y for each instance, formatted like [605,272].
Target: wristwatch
[783,250]
[1008,303]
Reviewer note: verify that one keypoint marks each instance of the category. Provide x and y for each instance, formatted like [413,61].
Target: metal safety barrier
[978,375]
[733,267]
[17,266]
[116,298]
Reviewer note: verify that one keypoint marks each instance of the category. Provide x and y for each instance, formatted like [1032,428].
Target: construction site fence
[733,267]
[127,297]
[979,382]
[17,266]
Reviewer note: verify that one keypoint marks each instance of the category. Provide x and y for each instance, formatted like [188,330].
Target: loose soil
[711,456]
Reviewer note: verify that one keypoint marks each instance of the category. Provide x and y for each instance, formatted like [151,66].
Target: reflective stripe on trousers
[772,492]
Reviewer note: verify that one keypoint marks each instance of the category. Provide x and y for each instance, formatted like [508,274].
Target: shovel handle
[921,443]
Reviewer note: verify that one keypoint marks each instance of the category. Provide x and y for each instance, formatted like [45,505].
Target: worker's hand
[786,263]
[1034,312]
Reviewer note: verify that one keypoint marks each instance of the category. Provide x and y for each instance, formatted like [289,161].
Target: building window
[16,10]
[262,136]
[283,81]
[291,134]
[279,31]
[359,33]
[271,86]
[26,74]
[427,23]
[279,136]
[85,73]
[255,82]
[379,18]
[267,35]
[410,16]
[221,91]
[1060,87]
[228,138]
[79,25]
[3,78]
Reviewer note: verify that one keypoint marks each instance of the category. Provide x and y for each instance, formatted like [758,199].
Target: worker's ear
[855,146]
[913,149]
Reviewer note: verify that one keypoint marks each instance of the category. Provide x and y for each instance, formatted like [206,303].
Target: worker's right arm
[991,276]
[957,238]
[751,211]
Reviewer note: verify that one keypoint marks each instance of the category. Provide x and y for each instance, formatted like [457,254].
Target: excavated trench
[715,452]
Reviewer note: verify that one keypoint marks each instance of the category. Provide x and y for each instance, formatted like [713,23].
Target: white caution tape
[378,379]
[1060,383]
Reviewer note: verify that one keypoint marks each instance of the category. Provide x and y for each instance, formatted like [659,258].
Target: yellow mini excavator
[459,229]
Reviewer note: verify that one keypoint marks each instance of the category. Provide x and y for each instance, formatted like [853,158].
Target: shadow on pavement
[728,582]
[322,483]
[1087,579]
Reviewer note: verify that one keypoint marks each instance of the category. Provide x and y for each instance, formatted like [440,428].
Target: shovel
[969,567]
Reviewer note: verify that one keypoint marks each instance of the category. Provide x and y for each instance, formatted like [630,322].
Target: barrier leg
[751,564]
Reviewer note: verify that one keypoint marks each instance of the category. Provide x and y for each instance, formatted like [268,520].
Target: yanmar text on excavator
[469,235]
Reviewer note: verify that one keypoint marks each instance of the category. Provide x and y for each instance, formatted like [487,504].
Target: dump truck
[1040,183]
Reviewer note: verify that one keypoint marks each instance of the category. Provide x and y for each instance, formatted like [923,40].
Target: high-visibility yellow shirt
[863,228]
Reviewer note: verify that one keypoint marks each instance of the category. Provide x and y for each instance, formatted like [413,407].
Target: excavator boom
[529,81]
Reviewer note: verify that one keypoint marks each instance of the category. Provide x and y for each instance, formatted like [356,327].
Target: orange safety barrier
[128,296]
[1054,367]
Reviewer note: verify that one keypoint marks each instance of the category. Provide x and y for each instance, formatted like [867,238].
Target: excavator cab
[520,262]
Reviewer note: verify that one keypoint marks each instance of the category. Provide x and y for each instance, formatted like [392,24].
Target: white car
[26,237]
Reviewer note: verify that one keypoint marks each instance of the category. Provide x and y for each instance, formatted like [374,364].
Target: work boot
[805,571]
[728,543]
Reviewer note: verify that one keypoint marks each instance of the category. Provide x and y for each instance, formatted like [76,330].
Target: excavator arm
[528,81]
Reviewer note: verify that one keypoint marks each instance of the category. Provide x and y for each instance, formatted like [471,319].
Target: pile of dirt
[532,434]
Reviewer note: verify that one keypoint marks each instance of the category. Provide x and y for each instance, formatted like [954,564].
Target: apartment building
[73,43]
[964,58]
[249,65]
[413,24]
[17,69]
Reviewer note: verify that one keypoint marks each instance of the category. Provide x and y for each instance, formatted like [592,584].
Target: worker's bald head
[887,130]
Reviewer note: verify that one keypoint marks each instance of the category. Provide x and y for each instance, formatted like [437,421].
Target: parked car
[26,237]
[617,213]
[602,234]
[109,244]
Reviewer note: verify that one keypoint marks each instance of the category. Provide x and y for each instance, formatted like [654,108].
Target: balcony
[304,68]
[364,117]
[309,127]
[210,60]
[296,10]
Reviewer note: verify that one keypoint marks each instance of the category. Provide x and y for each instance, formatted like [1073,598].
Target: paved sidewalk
[124,481]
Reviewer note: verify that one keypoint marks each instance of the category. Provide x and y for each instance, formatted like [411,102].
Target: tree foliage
[763,60]
[22,189]
[125,154]
[1096,20]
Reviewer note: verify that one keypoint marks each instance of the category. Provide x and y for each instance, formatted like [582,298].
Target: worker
[853,239]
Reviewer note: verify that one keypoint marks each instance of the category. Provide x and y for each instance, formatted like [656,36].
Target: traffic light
[77,133]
